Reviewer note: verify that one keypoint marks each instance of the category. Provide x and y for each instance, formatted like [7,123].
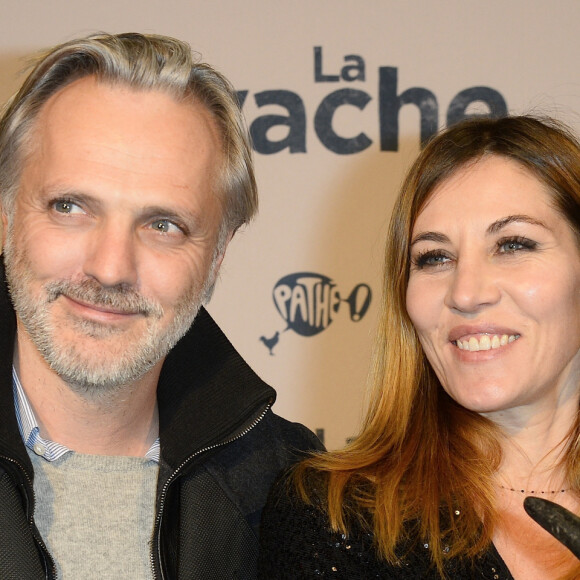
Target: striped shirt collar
[30,431]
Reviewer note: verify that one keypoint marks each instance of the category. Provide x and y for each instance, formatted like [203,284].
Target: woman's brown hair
[422,466]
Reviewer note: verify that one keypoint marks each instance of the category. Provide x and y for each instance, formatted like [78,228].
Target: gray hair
[147,62]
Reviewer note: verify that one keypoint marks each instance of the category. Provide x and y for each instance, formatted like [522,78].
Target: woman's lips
[476,343]
[485,336]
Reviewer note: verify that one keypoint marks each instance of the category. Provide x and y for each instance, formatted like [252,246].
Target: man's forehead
[91,96]
[94,113]
[97,138]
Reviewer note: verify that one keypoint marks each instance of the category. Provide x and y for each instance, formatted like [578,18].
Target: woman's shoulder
[298,542]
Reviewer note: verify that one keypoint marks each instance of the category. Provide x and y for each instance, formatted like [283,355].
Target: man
[134,440]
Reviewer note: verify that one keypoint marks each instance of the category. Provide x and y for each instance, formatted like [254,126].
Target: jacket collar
[206,392]
[10,441]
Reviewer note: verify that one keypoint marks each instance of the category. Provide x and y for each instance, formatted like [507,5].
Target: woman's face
[494,290]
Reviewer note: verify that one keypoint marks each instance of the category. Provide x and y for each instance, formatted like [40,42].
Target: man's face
[111,245]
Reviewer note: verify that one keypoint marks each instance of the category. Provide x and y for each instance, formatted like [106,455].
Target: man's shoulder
[292,436]
[245,469]
[273,444]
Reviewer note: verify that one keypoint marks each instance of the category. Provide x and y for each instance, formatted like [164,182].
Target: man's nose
[111,255]
[473,285]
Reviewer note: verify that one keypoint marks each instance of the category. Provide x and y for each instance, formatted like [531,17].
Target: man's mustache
[122,298]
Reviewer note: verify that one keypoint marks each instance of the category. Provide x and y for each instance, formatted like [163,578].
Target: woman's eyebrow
[510,219]
[495,227]
[430,237]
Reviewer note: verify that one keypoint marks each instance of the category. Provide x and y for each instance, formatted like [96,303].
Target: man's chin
[96,331]
[93,366]
[98,381]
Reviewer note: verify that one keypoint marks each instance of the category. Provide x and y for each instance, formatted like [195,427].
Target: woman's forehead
[489,188]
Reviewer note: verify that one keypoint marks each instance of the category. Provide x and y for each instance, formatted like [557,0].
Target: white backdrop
[325,212]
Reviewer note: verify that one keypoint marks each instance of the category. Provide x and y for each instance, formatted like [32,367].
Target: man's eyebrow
[69,193]
[498,225]
[430,237]
[58,191]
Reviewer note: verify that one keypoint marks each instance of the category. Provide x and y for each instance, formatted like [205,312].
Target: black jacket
[221,448]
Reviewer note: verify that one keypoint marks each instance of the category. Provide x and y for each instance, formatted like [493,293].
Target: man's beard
[95,371]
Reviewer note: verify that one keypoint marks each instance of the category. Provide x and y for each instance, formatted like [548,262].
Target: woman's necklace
[534,492]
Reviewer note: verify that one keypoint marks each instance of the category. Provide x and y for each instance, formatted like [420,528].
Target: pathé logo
[308,303]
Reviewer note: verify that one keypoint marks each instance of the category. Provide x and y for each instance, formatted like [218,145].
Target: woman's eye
[428,259]
[511,247]
[514,245]
[165,227]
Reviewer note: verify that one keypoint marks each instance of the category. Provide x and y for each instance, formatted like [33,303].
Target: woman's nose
[472,286]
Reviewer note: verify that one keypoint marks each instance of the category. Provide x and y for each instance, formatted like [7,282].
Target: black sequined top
[296,543]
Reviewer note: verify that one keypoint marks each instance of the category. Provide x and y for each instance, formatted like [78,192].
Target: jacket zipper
[44,550]
[174,475]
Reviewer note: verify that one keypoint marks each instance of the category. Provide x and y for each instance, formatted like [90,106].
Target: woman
[477,377]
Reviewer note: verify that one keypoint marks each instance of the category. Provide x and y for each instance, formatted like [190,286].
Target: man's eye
[68,207]
[165,227]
